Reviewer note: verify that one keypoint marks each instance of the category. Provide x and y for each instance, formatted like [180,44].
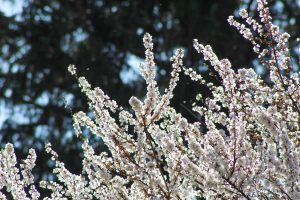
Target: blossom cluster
[244,146]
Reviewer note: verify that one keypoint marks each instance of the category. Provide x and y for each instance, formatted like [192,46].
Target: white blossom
[245,144]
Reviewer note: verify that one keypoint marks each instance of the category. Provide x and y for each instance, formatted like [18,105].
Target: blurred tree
[102,38]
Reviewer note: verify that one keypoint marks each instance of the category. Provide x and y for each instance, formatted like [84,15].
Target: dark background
[101,37]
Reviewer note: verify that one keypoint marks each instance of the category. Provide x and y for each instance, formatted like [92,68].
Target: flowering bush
[254,155]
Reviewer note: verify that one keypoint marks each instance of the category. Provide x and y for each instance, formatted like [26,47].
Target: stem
[158,165]
[281,78]
[236,188]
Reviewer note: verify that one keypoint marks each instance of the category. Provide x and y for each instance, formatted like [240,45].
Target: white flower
[72,69]
[243,13]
